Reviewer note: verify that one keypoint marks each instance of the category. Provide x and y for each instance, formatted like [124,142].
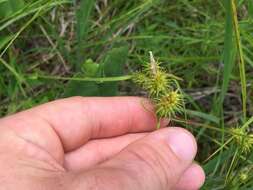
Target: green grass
[51,49]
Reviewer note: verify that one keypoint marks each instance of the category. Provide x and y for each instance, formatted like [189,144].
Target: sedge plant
[162,88]
[243,138]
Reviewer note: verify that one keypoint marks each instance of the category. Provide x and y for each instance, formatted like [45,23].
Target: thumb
[156,161]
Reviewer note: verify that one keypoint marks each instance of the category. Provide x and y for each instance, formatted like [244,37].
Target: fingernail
[182,144]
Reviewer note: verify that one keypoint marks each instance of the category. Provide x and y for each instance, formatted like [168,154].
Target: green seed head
[155,85]
[243,138]
[158,84]
[161,87]
[243,177]
[169,104]
[244,174]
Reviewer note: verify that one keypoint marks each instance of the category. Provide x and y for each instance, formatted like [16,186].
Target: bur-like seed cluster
[161,87]
[243,138]
[169,104]
[245,174]
[152,79]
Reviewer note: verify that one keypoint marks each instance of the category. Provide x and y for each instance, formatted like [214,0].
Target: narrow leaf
[82,16]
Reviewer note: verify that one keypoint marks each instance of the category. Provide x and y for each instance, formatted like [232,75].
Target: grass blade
[250,9]
[229,52]
[82,17]
[241,59]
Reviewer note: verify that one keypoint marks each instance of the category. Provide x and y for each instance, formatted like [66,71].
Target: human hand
[95,143]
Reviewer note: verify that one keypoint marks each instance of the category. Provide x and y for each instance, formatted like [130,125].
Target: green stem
[87,79]
[36,15]
[19,78]
[158,126]
[247,124]
[241,62]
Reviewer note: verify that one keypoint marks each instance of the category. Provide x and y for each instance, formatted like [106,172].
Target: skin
[95,143]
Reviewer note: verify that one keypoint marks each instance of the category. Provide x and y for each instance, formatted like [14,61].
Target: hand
[95,143]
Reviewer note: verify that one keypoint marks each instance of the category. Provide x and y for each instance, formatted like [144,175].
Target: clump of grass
[162,88]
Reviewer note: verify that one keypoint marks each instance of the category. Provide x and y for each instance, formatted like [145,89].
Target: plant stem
[19,78]
[241,62]
[87,79]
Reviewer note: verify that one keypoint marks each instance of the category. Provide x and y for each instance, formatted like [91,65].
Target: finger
[65,125]
[156,161]
[192,179]
[98,151]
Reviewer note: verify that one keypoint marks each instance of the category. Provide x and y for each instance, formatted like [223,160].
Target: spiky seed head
[161,87]
[140,79]
[155,85]
[243,177]
[169,104]
[244,173]
[153,78]
[243,138]
[158,84]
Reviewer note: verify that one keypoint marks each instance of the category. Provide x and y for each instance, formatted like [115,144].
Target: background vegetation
[59,48]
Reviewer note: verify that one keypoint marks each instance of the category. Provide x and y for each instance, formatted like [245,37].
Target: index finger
[77,120]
